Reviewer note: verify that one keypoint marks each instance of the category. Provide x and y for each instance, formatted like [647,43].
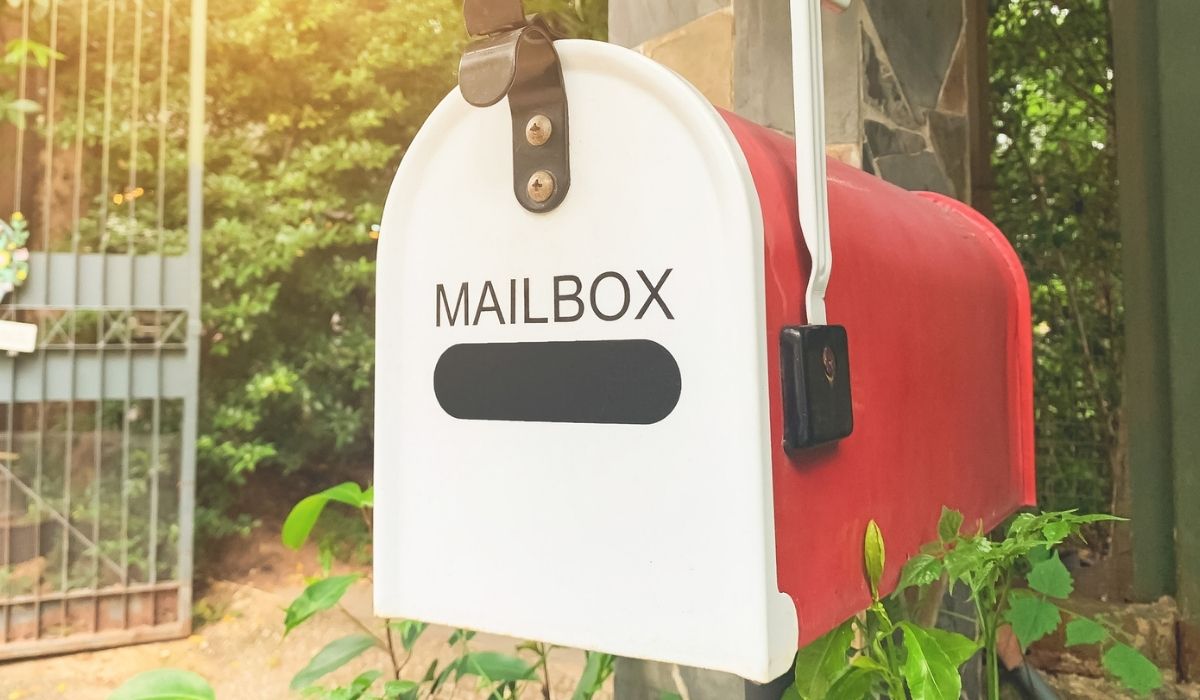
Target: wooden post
[1156,59]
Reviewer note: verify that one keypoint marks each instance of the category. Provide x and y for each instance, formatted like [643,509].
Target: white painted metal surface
[650,541]
[809,99]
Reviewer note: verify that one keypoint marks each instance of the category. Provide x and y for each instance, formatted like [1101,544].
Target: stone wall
[902,79]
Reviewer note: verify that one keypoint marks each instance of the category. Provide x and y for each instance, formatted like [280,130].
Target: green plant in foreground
[992,570]
[165,684]
[873,656]
[499,676]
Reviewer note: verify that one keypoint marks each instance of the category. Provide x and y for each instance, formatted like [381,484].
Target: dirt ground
[238,642]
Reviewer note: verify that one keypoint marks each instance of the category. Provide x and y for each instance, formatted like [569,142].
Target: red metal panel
[936,307]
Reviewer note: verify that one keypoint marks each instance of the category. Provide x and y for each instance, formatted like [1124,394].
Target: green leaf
[493,666]
[460,635]
[319,596]
[1056,532]
[400,690]
[789,693]
[363,682]
[597,670]
[431,672]
[967,556]
[921,570]
[1038,555]
[956,647]
[335,655]
[1031,617]
[410,631]
[1081,630]
[820,663]
[664,695]
[1051,578]
[949,524]
[303,517]
[874,557]
[855,684]
[927,669]
[164,684]
[1134,670]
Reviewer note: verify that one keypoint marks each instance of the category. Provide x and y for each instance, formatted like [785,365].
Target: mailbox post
[596,326]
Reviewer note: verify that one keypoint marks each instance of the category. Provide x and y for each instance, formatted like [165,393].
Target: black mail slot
[632,382]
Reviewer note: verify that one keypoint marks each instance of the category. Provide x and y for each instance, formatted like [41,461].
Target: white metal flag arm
[809,100]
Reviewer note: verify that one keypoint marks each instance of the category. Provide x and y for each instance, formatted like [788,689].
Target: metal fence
[98,424]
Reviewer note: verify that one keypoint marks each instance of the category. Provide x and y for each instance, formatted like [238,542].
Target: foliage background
[300,155]
[1056,197]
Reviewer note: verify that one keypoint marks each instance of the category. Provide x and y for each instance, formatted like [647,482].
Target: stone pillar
[901,79]
[905,93]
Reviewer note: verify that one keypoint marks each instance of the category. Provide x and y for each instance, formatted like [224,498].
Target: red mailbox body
[936,307]
[664,279]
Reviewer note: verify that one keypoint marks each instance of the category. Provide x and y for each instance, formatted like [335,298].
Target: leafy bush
[873,656]
[992,571]
[311,107]
[878,654]
[499,676]
[1056,196]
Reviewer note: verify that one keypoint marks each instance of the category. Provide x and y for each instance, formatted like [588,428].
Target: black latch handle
[515,58]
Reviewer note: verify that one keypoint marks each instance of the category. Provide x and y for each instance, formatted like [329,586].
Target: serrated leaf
[820,663]
[1050,577]
[1056,532]
[1133,669]
[164,684]
[319,596]
[874,557]
[493,666]
[921,570]
[949,524]
[1081,630]
[1031,618]
[1038,554]
[927,669]
[335,655]
[1021,524]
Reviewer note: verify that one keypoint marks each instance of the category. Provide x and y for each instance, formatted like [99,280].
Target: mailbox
[583,407]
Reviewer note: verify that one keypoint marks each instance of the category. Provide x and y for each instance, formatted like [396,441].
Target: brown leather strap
[515,58]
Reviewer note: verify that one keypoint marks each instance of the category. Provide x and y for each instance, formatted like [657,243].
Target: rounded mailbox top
[650,487]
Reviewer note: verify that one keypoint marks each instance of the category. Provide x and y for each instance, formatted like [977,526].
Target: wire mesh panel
[100,164]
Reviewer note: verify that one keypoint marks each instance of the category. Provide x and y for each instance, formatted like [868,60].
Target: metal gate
[101,166]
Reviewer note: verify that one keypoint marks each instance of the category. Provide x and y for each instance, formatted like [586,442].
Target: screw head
[830,362]
[538,130]
[541,186]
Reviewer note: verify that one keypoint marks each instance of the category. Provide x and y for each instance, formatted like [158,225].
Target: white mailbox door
[628,521]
